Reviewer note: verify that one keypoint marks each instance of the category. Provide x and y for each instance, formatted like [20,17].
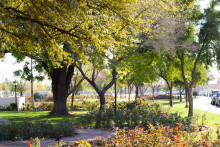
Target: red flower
[28,142]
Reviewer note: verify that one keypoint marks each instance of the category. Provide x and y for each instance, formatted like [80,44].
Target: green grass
[212,119]
[39,115]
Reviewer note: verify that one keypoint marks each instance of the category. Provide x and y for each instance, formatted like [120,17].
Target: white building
[6,101]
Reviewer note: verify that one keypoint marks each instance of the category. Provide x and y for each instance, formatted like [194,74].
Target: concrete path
[83,134]
[204,103]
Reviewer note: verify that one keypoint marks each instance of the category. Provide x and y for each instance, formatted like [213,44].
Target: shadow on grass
[21,116]
[166,102]
[174,103]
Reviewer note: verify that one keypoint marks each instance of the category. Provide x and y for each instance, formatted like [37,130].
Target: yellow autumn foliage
[42,26]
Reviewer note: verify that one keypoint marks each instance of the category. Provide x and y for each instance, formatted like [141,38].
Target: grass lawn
[39,115]
[212,119]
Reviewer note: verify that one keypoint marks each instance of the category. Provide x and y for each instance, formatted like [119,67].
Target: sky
[8,65]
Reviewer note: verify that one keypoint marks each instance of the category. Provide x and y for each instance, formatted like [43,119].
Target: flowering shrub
[158,135]
[45,106]
[49,97]
[48,106]
[90,96]
[28,107]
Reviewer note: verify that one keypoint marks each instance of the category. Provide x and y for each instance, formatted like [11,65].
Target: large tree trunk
[61,79]
[190,98]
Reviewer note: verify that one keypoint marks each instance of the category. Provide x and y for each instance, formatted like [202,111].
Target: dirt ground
[83,134]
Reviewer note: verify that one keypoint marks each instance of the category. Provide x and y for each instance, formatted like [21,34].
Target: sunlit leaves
[103,24]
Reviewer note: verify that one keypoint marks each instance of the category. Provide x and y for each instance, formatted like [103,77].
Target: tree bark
[130,87]
[171,94]
[61,79]
[186,96]
[136,92]
[125,91]
[153,89]
[102,101]
[180,94]
[170,86]
[190,98]
[72,99]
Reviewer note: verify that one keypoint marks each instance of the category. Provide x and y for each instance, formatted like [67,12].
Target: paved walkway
[204,103]
[83,134]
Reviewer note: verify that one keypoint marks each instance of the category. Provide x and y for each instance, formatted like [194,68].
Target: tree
[155,85]
[136,70]
[96,68]
[207,47]
[27,74]
[75,85]
[179,84]
[168,72]
[143,88]
[41,29]
[166,33]
[3,86]
[21,87]
[36,30]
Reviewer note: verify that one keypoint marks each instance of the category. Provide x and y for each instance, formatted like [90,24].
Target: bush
[49,97]
[28,107]
[158,135]
[84,96]
[76,106]
[48,106]
[12,107]
[45,106]
[38,96]
[91,106]
[32,129]
[131,114]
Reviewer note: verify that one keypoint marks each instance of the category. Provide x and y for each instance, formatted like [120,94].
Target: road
[204,103]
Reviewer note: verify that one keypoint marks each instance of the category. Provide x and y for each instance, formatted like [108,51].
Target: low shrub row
[32,129]
[48,106]
[132,114]
[49,97]
[158,96]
